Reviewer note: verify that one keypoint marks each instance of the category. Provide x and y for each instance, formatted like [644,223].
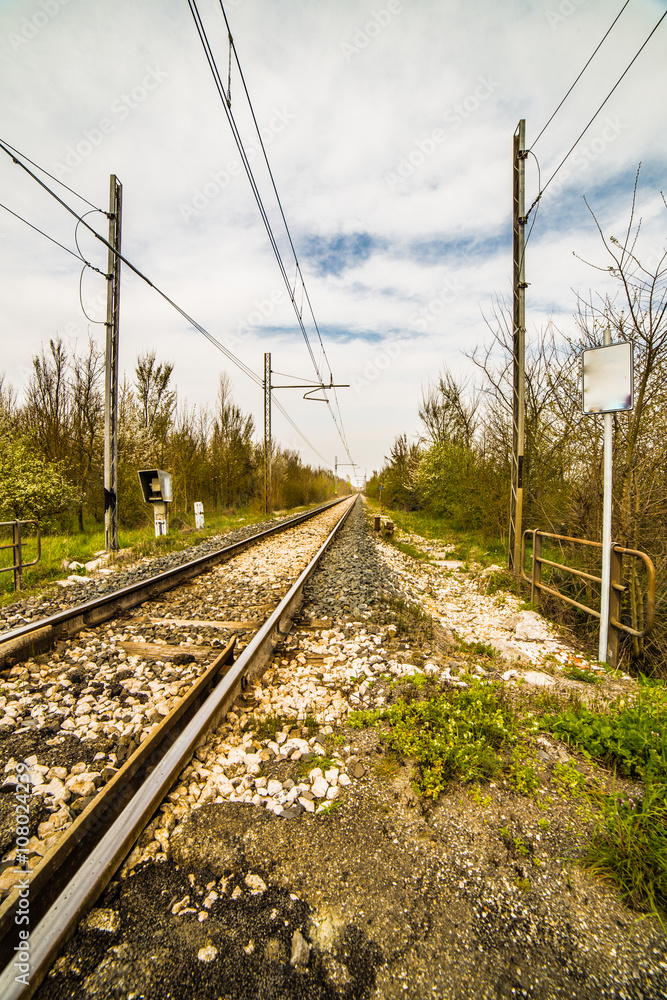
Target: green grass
[632,736]
[454,735]
[629,844]
[469,546]
[629,847]
[577,674]
[407,549]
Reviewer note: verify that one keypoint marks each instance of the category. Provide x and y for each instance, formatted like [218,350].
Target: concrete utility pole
[267,433]
[111,370]
[518,345]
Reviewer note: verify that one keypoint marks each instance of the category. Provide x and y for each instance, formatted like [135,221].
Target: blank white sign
[607,379]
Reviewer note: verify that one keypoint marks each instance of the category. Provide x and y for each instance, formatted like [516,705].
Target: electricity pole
[310,388]
[335,475]
[518,345]
[111,370]
[267,433]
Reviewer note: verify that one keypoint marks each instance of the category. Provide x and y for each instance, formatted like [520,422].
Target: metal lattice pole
[111,370]
[518,346]
[267,433]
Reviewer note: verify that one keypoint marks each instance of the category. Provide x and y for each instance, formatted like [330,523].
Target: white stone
[208,953]
[319,787]
[256,884]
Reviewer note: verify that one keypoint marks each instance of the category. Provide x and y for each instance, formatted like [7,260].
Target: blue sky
[389,131]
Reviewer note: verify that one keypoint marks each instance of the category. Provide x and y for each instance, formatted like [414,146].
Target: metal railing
[617,586]
[17,545]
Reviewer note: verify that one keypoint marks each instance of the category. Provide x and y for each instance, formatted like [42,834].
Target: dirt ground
[384,897]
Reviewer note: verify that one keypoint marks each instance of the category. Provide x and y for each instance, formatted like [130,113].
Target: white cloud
[406,141]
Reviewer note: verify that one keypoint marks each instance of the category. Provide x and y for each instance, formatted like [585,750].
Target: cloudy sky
[388,127]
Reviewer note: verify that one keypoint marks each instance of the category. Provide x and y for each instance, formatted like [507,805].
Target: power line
[52,240]
[574,144]
[81,221]
[581,74]
[56,179]
[279,405]
[203,37]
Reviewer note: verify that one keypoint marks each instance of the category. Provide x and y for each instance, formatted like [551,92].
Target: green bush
[30,488]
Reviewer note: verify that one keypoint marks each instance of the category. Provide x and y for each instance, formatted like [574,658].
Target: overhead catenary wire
[53,177]
[52,240]
[81,221]
[292,291]
[590,60]
[592,119]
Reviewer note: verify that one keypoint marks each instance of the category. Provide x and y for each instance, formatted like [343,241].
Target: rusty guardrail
[17,545]
[617,587]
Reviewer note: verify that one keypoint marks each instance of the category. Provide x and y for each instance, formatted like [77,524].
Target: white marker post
[607,387]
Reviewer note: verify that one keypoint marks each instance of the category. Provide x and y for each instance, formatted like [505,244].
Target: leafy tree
[30,487]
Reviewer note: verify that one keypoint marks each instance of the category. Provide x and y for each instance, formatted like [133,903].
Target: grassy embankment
[477,734]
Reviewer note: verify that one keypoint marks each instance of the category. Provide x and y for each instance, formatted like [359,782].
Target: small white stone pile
[451,597]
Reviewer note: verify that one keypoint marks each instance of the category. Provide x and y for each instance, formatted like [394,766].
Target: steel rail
[58,924]
[51,874]
[37,636]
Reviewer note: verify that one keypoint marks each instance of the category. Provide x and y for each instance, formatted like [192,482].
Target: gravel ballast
[295,857]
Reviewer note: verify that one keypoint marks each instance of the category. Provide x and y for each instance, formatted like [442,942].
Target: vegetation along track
[100,702]
[305,853]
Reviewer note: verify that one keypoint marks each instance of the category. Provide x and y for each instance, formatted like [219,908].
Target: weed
[577,674]
[481,800]
[475,648]
[311,725]
[630,847]
[454,735]
[543,824]
[407,549]
[328,808]
[523,779]
[632,736]
[570,783]
[267,729]
[522,883]
[499,580]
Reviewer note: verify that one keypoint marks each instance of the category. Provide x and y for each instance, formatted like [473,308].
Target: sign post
[607,387]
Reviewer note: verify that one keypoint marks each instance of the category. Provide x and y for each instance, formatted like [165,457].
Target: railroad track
[37,636]
[76,869]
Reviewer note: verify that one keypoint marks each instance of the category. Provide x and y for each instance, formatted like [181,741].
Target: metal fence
[617,587]
[17,545]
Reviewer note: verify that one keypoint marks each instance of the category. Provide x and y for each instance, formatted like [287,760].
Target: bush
[30,488]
